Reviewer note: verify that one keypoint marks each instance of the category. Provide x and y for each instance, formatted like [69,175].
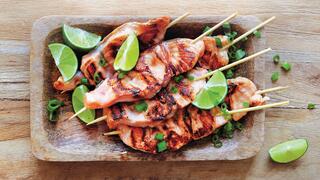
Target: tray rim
[41,147]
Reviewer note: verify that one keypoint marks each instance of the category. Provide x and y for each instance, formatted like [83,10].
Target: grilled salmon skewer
[99,61]
[192,123]
[92,101]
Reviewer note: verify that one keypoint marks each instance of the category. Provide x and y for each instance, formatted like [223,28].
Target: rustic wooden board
[74,141]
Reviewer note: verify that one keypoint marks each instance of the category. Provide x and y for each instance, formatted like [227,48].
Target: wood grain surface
[295,35]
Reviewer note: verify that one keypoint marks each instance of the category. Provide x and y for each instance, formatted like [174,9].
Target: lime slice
[77,103]
[213,93]
[288,151]
[65,60]
[128,54]
[79,39]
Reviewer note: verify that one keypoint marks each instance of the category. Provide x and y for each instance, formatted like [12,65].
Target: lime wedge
[288,151]
[65,59]
[79,39]
[128,54]
[77,103]
[213,92]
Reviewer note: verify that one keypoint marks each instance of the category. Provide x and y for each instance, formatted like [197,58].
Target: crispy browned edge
[41,147]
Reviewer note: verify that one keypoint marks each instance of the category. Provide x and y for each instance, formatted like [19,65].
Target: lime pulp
[288,151]
[65,59]
[77,102]
[213,92]
[128,54]
[79,39]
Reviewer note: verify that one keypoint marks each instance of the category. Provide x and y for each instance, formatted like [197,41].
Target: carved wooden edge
[43,150]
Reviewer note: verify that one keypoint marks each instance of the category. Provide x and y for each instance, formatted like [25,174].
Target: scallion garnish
[141,106]
[226,27]
[240,54]
[190,78]
[216,141]
[229,74]
[206,29]
[311,106]
[122,74]
[84,81]
[245,104]
[102,62]
[174,89]
[286,66]
[97,77]
[275,76]
[159,136]
[238,125]
[276,59]
[178,79]
[257,34]
[228,130]
[53,105]
[162,146]
[218,42]
[244,39]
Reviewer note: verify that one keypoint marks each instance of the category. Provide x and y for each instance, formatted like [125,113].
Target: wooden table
[295,35]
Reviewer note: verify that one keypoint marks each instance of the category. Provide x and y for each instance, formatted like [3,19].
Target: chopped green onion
[159,136]
[52,107]
[218,42]
[162,146]
[174,89]
[54,104]
[311,106]
[276,59]
[226,27]
[257,34]
[228,130]
[275,76]
[141,106]
[216,141]
[206,29]
[286,66]
[102,62]
[238,125]
[178,79]
[231,35]
[97,77]
[84,81]
[244,39]
[122,74]
[226,115]
[190,78]
[240,54]
[245,104]
[229,74]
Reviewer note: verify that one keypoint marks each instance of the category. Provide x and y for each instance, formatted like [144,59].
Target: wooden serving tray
[72,140]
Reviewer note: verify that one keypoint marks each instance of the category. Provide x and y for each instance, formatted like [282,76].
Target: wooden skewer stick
[112,133]
[79,112]
[102,118]
[233,64]
[248,33]
[273,89]
[178,19]
[215,27]
[259,107]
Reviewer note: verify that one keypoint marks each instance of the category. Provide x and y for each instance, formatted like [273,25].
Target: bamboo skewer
[102,118]
[214,27]
[273,89]
[248,33]
[178,19]
[112,133]
[259,107]
[233,64]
